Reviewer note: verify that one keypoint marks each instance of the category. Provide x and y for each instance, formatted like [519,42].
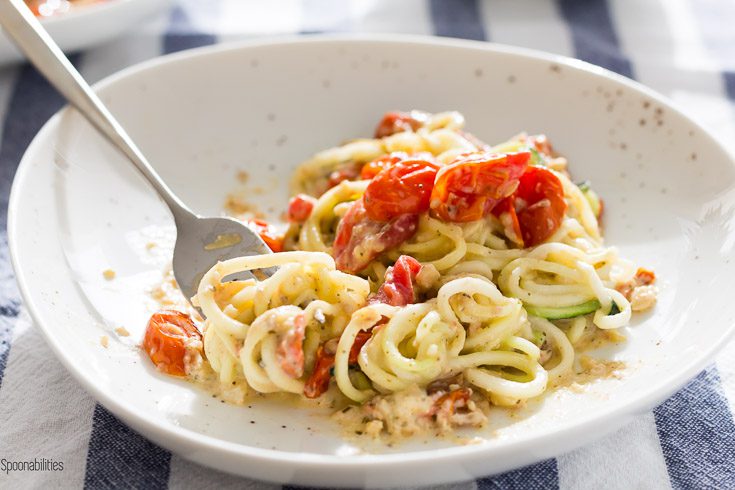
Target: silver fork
[200,242]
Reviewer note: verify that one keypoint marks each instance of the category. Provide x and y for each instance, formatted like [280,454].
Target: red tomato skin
[318,383]
[398,287]
[167,337]
[268,233]
[290,351]
[644,276]
[402,188]
[360,340]
[505,211]
[542,194]
[353,216]
[356,229]
[371,169]
[472,185]
[398,122]
[300,207]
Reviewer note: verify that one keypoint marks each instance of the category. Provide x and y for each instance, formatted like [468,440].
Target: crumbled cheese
[643,298]
[427,276]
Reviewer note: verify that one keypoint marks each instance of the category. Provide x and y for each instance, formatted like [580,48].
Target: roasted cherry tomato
[399,122]
[402,188]
[506,213]
[168,336]
[359,239]
[360,339]
[539,204]
[318,382]
[473,184]
[290,350]
[371,169]
[268,233]
[398,287]
[299,208]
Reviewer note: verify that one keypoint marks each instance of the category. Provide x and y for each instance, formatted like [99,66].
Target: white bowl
[78,208]
[89,25]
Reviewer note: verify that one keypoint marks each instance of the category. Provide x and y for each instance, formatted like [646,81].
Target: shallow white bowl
[77,208]
[86,26]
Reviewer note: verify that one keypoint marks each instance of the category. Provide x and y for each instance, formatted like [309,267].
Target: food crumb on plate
[109,274]
[105,341]
[239,207]
[122,332]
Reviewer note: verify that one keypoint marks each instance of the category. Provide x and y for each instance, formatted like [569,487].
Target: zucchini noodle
[483,313]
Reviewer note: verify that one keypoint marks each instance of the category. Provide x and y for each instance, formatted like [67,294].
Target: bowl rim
[611,418]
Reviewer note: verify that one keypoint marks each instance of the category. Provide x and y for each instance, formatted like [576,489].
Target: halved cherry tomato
[268,233]
[402,188]
[360,339]
[168,336]
[318,382]
[359,239]
[474,183]
[539,204]
[397,289]
[371,169]
[506,213]
[398,122]
[299,208]
[290,351]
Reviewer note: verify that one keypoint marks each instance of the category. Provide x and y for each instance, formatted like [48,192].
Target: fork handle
[30,36]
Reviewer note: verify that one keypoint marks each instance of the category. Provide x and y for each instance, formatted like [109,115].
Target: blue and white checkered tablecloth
[683,48]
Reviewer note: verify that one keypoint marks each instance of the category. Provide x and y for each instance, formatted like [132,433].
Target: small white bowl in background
[89,25]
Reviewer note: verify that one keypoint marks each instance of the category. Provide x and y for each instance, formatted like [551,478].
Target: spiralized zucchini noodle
[423,261]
